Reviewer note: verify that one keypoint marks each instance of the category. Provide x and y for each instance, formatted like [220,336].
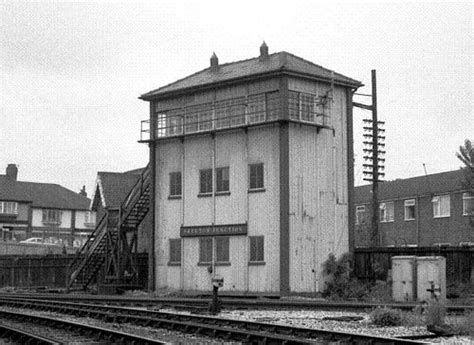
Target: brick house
[430,210]
[43,210]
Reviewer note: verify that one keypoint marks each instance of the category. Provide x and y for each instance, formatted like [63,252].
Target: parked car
[36,240]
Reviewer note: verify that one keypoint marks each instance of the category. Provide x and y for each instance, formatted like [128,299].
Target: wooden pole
[375,165]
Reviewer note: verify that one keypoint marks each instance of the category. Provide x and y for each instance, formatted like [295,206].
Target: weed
[386,317]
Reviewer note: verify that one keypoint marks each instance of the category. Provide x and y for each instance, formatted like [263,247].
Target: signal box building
[250,174]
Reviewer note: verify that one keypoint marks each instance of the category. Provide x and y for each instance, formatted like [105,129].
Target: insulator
[368,157]
[367,142]
[367,165]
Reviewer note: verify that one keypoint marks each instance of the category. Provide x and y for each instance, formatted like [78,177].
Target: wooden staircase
[113,243]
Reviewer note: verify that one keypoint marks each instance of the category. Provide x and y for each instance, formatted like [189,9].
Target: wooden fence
[32,271]
[375,263]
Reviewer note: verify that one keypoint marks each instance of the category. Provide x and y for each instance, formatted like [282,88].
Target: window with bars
[256,249]
[52,217]
[387,213]
[256,176]
[410,207]
[205,250]
[468,204]
[175,251]
[441,206]
[175,184]
[8,207]
[205,181]
[222,179]
[222,249]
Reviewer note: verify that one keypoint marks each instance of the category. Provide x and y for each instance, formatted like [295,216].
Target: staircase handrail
[132,195]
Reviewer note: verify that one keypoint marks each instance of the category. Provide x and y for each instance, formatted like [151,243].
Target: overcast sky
[71,74]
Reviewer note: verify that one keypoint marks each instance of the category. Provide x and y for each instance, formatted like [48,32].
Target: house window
[175,251]
[205,250]
[205,181]
[441,206]
[52,217]
[175,183]
[256,177]
[222,249]
[89,218]
[410,209]
[256,249]
[468,204]
[222,179]
[360,215]
[386,212]
[8,207]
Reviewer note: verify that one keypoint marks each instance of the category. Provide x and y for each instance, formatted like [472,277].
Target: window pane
[205,181]
[468,204]
[272,105]
[445,205]
[256,108]
[293,105]
[307,107]
[222,249]
[222,179]
[175,250]
[410,209]
[205,249]
[175,183]
[256,248]
[256,176]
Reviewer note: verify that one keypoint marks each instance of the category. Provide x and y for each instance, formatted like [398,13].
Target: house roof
[416,186]
[44,195]
[112,188]
[276,62]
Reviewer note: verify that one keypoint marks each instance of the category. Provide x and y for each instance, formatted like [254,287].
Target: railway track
[54,330]
[226,329]
[230,303]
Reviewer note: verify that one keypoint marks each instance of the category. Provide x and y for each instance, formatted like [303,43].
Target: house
[435,209]
[251,173]
[111,190]
[43,210]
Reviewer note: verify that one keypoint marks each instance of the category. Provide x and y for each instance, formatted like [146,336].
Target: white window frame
[467,196]
[386,216]
[8,207]
[437,206]
[360,210]
[407,204]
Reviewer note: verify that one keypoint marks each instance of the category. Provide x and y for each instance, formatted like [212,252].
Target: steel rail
[16,334]
[202,324]
[239,303]
[103,333]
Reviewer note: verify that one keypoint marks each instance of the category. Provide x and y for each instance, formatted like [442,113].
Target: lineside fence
[48,271]
[375,263]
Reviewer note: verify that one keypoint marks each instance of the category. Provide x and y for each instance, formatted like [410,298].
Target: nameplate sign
[214,230]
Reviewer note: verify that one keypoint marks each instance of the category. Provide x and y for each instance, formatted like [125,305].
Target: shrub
[386,317]
[435,313]
[464,325]
[380,292]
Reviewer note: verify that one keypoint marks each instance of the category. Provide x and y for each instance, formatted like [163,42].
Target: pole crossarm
[363,106]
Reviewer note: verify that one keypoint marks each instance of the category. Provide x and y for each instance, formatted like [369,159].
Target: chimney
[263,51]
[214,62]
[12,171]
[83,191]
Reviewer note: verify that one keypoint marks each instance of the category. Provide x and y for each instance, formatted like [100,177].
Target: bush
[386,317]
[435,313]
[464,325]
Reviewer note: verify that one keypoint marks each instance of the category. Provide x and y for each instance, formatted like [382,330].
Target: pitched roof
[112,188]
[277,62]
[44,195]
[421,185]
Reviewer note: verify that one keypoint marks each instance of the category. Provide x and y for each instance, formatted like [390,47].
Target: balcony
[235,113]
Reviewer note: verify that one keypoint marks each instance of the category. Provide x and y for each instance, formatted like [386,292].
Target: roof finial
[263,51]
[214,61]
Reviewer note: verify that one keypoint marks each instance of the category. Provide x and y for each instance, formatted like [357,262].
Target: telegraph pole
[373,153]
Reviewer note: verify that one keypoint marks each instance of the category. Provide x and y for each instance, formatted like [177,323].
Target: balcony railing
[234,113]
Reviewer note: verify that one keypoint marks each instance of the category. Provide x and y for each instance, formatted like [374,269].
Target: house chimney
[263,51]
[83,191]
[12,171]
[214,62]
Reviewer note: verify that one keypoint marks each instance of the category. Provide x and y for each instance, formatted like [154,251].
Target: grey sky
[71,74]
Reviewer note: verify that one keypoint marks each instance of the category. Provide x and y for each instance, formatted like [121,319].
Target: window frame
[8,207]
[437,205]
[51,216]
[467,196]
[385,218]
[205,256]
[407,204]
[206,180]
[222,248]
[258,185]
[175,184]
[222,185]
[175,251]
[256,250]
